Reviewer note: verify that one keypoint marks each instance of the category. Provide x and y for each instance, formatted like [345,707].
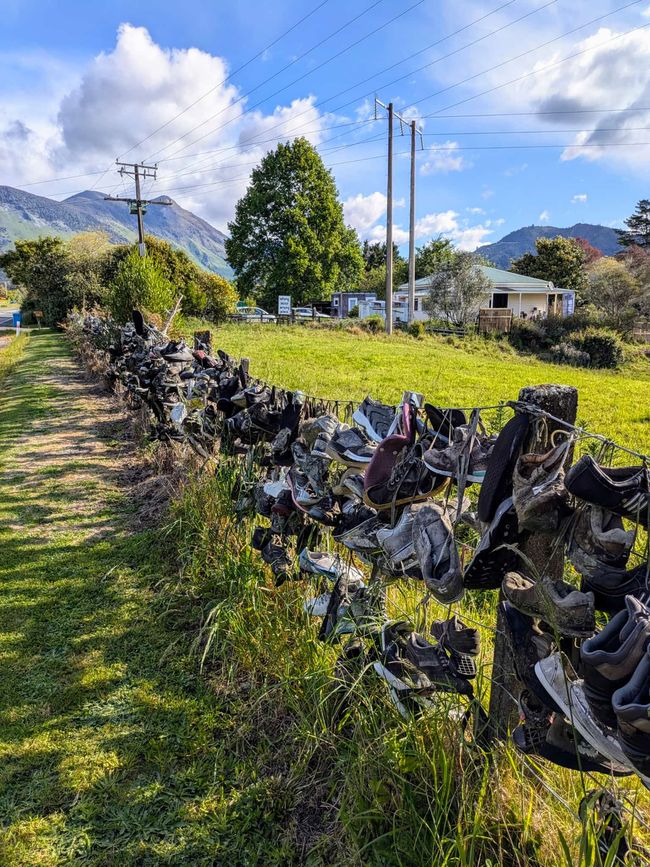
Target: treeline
[53,276]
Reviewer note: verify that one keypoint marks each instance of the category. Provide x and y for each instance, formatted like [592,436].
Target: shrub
[417,329]
[374,324]
[604,347]
[527,336]
[353,313]
[139,284]
[567,353]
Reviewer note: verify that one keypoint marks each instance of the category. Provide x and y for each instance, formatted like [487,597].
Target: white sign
[284,305]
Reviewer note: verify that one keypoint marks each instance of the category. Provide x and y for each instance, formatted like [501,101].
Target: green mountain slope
[24,215]
[522,241]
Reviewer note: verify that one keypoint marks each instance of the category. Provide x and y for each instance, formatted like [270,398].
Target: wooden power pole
[139,172]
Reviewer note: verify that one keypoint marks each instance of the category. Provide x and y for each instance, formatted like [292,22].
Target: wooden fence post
[562,402]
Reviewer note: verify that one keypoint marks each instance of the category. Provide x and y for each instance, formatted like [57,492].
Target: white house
[525,296]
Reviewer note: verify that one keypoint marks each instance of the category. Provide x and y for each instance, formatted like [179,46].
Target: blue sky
[83,83]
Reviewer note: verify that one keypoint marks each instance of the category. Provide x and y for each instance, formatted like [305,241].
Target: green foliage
[560,260]
[218,295]
[638,226]
[88,258]
[42,267]
[374,323]
[603,347]
[615,291]
[567,353]
[353,312]
[139,284]
[288,235]
[456,288]
[436,253]
[417,328]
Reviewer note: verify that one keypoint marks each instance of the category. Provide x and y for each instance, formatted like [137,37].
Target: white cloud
[515,170]
[362,212]
[444,159]
[579,198]
[475,211]
[446,223]
[544,217]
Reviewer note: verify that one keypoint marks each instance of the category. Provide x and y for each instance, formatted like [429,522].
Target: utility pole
[389,214]
[411,311]
[139,172]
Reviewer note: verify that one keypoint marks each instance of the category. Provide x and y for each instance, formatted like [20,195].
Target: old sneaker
[624,490]
[497,484]
[539,495]
[435,548]
[610,587]
[442,422]
[599,542]
[466,456]
[330,566]
[375,418]
[350,447]
[319,430]
[631,705]
[608,660]
[565,609]
[461,642]
[494,555]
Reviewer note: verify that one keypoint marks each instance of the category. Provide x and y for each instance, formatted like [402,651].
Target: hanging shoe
[330,566]
[462,643]
[565,609]
[540,497]
[375,418]
[497,484]
[494,556]
[435,549]
[610,588]
[631,704]
[623,490]
[598,542]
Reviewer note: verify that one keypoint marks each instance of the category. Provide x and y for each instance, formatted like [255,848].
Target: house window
[417,304]
[335,301]
[352,302]
[500,300]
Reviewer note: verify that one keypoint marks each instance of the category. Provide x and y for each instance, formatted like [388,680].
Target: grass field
[449,371]
[161,702]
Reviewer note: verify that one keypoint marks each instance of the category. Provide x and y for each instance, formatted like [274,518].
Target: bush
[417,329]
[374,324]
[567,353]
[353,313]
[527,336]
[139,284]
[604,347]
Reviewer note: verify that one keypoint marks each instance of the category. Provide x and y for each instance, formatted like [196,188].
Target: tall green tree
[436,253]
[41,268]
[615,291]
[638,226]
[88,257]
[560,260]
[288,236]
[456,289]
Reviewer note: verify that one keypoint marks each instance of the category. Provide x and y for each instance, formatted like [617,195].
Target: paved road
[6,316]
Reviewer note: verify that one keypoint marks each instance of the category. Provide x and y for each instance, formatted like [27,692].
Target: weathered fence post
[562,402]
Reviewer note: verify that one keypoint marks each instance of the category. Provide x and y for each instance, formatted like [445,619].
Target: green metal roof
[498,278]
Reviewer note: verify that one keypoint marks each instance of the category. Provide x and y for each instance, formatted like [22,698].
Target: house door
[500,300]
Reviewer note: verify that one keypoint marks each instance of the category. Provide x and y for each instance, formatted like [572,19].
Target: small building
[343,302]
[527,297]
[373,307]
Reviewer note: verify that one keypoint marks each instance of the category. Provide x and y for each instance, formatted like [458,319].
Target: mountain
[24,215]
[523,241]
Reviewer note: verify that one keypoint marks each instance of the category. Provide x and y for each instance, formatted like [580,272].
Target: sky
[532,111]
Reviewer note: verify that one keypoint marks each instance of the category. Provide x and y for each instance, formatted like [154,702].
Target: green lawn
[336,364]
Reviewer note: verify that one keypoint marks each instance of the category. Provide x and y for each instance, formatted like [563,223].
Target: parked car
[308,313]
[255,314]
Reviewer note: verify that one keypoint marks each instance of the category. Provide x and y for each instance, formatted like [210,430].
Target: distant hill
[523,241]
[24,215]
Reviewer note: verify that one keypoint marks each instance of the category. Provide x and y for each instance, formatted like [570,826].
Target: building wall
[531,303]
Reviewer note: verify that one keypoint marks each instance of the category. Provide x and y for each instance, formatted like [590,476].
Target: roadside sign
[284,305]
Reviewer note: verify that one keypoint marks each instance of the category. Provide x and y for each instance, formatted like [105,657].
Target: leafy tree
[88,254]
[218,296]
[456,289]
[288,235]
[638,226]
[374,254]
[560,260]
[613,289]
[374,280]
[41,267]
[435,253]
[139,284]
[592,254]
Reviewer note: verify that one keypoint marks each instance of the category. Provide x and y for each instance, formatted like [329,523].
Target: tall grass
[367,787]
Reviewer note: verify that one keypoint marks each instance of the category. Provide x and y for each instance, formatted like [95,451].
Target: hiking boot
[350,447]
[623,490]
[492,559]
[497,483]
[309,472]
[329,566]
[547,734]
[539,495]
[435,549]
[599,542]
[611,587]
[631,704]
[565,609]
[397,475]
[411,665]
[462,643]
[608,660]
[375,418]
[563,686]
[528,644]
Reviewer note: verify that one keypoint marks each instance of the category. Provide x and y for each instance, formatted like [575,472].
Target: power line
[228,77]
[296,80]
[560,111]
[322,102]
[139,172]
